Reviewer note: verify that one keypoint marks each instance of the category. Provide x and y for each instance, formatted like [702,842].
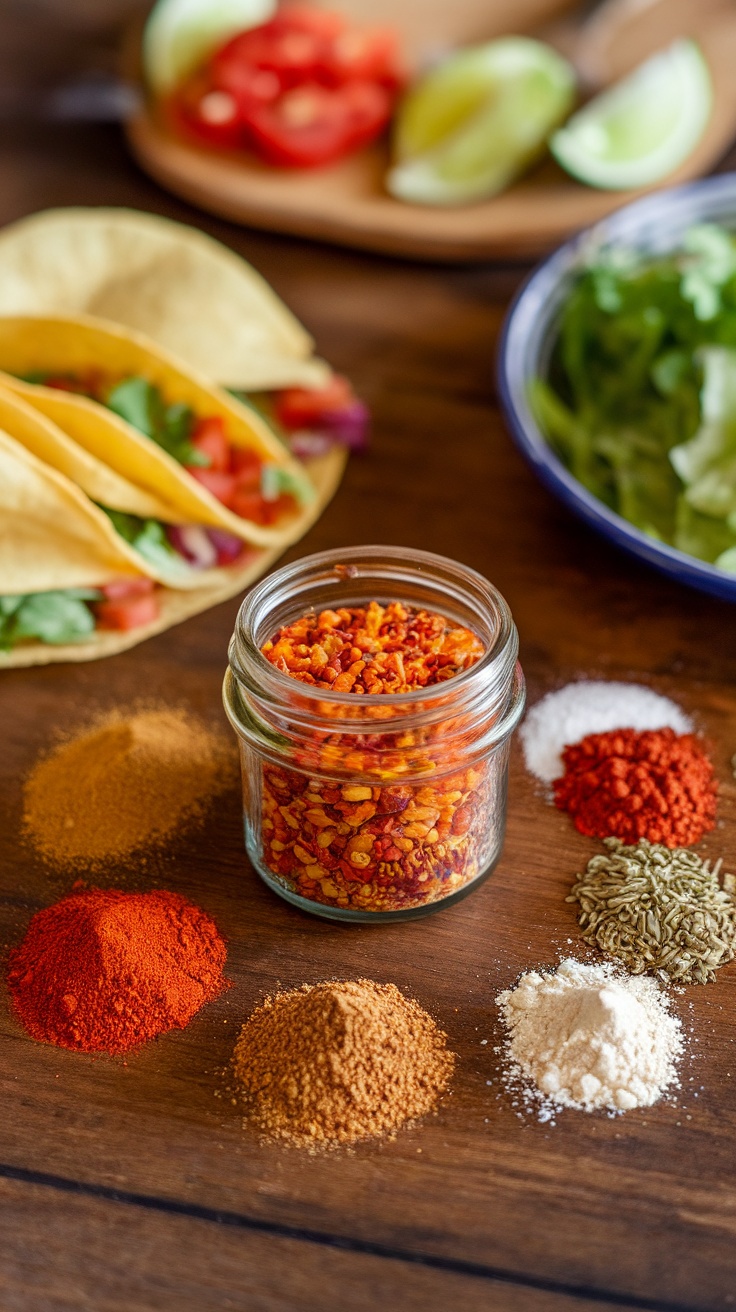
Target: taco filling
[238,478]
[73,614]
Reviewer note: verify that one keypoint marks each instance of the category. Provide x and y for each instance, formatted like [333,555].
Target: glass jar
[377,807]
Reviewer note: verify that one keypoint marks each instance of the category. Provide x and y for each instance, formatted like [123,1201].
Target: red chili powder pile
[656,784]
[129,781]
[104,971]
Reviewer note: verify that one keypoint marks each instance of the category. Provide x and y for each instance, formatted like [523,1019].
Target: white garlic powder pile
[587,1037]
[591,706]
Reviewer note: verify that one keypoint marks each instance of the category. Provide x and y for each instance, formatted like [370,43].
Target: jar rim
[341,566]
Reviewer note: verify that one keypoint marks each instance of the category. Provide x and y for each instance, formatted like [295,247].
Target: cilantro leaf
[148,538]
[142,405]
[53,617]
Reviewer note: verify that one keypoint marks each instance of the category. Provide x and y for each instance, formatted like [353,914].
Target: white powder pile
[572,712]
[586,1037]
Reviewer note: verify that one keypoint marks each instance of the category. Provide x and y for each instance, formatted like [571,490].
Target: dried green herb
[658,910]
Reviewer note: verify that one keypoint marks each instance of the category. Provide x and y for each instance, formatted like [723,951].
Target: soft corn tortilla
[181,288]
[326,472]
[74,345]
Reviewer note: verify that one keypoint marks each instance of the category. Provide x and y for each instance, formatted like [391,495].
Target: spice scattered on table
[658,910]
[591,706]
[128,782]
[379,842]
[105,971]
[333,1063]
[656,784]
[585,1037]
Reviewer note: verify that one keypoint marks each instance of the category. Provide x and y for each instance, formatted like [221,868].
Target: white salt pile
[583,1036]
[571,713]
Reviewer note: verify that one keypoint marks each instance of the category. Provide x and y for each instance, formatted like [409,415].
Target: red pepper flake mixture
[657,785]
[366,845]
[373,649]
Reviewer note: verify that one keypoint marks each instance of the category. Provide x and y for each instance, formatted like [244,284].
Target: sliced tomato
[221,485]
[313,124]
[300,407]
[275,510]
[212,114]
[294,47]
[126,613]
[245,464]
[119,589]
[367,55]
[250,505]
[209,439]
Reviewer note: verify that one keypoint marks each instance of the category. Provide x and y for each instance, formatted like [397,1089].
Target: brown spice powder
[333,1063]
[126,783]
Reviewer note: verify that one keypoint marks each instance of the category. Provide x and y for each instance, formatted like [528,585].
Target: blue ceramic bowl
[656,226]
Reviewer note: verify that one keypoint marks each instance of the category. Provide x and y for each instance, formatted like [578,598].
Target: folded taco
[194,297]
[72,589]
[180,287]
[213,460]
[165,550]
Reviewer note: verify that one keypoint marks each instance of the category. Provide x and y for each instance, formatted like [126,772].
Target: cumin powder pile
[333,1063]
[128,782]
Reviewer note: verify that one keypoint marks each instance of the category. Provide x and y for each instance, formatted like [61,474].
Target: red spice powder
[656,784]
[104,971]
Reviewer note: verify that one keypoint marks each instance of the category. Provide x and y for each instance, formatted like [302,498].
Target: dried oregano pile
[658,910]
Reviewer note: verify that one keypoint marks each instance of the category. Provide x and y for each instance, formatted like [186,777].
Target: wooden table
[132,1186]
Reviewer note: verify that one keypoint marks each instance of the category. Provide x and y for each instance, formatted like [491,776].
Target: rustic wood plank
[643,1208]
[185,1262]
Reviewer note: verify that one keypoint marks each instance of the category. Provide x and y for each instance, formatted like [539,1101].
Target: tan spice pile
[333,1063]
[127,782]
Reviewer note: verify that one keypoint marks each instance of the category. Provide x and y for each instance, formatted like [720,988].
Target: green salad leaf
[275,481]
[142,405]
[53,617]
[149,538]
[639,400]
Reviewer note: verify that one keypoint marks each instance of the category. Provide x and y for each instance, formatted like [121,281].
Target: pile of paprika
[657,785]
[105,971]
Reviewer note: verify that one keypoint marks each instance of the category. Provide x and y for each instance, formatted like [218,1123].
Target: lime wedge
[641,129]
[474,124]
[180,34]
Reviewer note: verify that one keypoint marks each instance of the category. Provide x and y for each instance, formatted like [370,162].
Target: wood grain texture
[134,1185]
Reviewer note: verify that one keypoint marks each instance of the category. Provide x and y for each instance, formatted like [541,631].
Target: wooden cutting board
[347,203]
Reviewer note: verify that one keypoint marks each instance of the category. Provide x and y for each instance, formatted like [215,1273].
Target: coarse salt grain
[568,714]
[586,1037]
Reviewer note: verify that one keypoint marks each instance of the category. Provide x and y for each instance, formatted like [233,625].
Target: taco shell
[75,345]
[326,472]
[50,536]
[47,441]
[184,290]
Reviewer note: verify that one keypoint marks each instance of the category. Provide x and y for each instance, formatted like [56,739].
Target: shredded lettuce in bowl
[640,397]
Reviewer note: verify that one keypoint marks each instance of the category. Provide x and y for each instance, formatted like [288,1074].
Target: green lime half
[180,34]
[474,124]
[644,127]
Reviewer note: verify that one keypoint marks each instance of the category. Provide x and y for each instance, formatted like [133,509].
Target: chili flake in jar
[376,788]
[372,848]
[373,649]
